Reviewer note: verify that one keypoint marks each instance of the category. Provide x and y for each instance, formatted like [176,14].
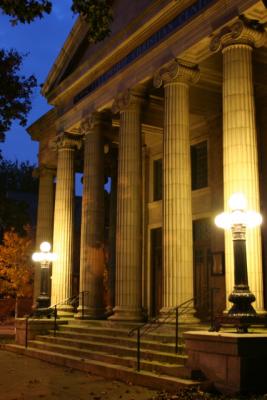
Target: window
[199,165]
[157,182]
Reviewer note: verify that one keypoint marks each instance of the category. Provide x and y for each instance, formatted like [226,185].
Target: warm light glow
[253,219]
[36,257]
[45,246]
[238,215]
[223,220]
[51,257]
[237,202]
[44,256]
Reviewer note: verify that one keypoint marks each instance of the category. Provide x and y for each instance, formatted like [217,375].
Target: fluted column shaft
[129,212]
[44,228]
[92,232]
[64,224]
[112,231]
[240,155]
[177,204]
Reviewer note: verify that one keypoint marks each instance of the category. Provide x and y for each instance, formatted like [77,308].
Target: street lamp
[238,220]
[44,257]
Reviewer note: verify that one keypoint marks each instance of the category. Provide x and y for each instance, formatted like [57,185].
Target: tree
[97,13]
[16,267]
[15,178]
[16,90]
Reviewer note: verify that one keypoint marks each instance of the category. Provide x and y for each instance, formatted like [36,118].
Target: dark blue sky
[42,40]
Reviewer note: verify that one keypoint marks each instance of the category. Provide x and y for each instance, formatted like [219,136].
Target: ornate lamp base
[241,297]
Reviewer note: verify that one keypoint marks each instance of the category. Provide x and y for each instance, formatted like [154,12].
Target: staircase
[104,348]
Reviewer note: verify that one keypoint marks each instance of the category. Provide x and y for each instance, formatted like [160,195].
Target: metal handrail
[158,321]
[69,300]
[53,310]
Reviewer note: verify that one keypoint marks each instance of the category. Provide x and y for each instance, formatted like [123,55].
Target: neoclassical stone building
[172,107]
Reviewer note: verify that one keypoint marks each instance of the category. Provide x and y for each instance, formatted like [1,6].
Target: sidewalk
[24,378]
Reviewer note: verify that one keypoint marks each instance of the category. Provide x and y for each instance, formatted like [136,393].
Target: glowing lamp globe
[36,257]
[238,215]
[45,247]
[237,202]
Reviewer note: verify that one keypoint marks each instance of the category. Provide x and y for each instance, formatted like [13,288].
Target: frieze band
[161,34]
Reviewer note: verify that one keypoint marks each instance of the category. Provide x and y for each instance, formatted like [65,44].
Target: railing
[52,311]
[159,321]
[176,312]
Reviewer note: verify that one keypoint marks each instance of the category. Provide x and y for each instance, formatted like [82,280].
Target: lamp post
[238,220]
[44,257]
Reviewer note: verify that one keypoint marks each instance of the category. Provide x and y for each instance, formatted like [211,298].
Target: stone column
[113,165]
[44,228]
[64,223]
[177,209]
[92,234]
[240,156]
[129,210]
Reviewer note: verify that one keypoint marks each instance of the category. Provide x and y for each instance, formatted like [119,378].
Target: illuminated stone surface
[63,224]
[240,160]
[92,231]
[177,208]
[44,229]
[129,206]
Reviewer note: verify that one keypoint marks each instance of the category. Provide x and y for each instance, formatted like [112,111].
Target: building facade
[172,107]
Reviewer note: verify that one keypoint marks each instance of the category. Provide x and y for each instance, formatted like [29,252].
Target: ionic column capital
[68,141]
[177,71]
[243,31]
[127,100]
[95,119]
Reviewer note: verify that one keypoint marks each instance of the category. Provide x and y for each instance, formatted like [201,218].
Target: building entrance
[202,254]
[156,271]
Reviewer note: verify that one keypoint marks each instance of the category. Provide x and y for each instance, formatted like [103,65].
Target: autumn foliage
[16,267]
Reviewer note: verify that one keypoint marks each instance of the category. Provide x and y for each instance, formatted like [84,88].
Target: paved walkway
[24,378]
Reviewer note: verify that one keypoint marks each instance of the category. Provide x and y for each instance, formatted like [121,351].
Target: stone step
[171,369]
[166,336]
[100,336]
[105,323]
[107,370]
[115,349]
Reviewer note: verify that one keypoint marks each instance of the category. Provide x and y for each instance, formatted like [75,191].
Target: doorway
[156,270]
[202,254]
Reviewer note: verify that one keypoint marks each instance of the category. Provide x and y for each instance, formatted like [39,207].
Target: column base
[89,313]
[42,301]
[65,311]
[109,311]
[169,316]
[127,314]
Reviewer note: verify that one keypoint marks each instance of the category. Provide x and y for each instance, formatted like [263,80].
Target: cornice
[116,42]
[95,67]
[44,125]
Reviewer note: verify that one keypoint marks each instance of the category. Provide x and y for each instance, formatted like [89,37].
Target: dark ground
[24,378]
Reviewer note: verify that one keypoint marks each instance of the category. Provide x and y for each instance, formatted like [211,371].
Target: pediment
[77,49]
[69,57]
